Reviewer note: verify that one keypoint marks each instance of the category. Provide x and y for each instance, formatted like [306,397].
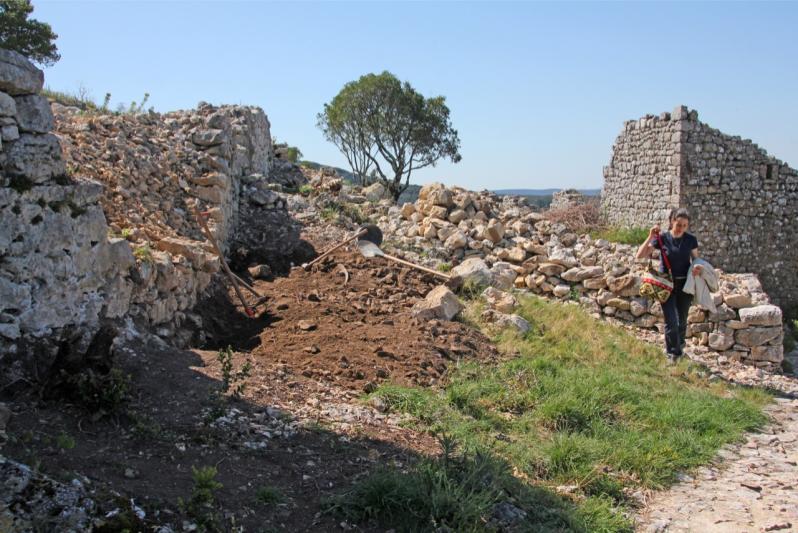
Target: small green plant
[201,505]
[444,267]
[102,393]
[471,289]
[305,189]
[126,233]
[65,441]
[330,212]
[621,235]
[233,382]
[574,294]
[354,213]
[268,495]
[143,253]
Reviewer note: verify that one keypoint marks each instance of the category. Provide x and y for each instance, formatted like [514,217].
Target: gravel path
[751,486]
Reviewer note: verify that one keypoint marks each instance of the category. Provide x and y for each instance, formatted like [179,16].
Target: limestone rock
[503,275]
[8,108]
[757,336]
[761,315]
[35,157]
[562,290]
[440,303]
[208,138]
[456,241]
[18,75]
[738,300]
[473,270]
[721,340]
[407,210]
[376,192]
[34,114]
[501,301]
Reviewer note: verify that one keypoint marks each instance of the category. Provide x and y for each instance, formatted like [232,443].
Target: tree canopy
[31,38]
[382,124]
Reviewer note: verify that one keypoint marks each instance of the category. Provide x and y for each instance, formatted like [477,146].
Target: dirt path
[752,486]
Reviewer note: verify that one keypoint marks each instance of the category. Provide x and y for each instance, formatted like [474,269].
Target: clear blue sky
[537,91]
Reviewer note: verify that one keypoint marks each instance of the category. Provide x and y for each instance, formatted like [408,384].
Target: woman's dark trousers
[675,310]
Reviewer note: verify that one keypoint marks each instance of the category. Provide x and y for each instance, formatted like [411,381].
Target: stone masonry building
[743,202]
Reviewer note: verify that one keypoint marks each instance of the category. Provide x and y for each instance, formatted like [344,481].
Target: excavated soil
[348,322]
[300,426]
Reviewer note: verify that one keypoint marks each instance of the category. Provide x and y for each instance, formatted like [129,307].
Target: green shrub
[622,235]
[143,253]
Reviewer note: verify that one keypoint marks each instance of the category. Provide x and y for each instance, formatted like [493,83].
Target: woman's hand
[653,232]
[697,270]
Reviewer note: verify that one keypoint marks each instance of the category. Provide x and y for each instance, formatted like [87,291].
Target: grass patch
[268,495]
[587,405]
[621,235]
[456,492]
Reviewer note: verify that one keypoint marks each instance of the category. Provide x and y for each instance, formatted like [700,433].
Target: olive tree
[31,38]
[381,123]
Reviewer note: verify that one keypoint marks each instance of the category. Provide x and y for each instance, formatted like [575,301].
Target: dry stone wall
[58,268]
[103,231]
[503,242]
[746,207]
[743,202]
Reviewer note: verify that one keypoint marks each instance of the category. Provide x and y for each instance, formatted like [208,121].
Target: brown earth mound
[348,322]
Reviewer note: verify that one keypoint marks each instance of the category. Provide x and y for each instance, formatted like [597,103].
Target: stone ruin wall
[745,205]
[641,182]
[102,232]
[742,201]
[567,198]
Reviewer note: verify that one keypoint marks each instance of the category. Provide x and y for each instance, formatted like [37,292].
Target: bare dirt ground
[299,429]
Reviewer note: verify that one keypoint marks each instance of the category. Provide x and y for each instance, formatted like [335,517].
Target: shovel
[369,232]
[369,250]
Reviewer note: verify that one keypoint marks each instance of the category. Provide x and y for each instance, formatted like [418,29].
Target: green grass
[81,99]
[584,404]
[621,235]
[268,495]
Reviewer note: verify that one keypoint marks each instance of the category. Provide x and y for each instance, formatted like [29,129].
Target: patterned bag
[657,285]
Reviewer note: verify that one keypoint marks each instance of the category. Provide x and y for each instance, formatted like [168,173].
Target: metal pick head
[373,234]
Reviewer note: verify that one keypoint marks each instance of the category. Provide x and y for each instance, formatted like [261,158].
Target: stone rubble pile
[503,243]
[566,198]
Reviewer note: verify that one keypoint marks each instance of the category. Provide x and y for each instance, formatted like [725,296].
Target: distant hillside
[542,192]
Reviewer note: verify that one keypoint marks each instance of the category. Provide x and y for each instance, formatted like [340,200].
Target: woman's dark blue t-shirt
[678,251]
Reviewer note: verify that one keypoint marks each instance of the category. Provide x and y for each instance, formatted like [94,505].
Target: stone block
[440,303]
[34,114]
[18,75]
[35,157]
[761,315]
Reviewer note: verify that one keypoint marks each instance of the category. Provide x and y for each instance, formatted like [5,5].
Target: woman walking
[682,249]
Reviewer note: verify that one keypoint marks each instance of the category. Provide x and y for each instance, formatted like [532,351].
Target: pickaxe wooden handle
[232,277]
